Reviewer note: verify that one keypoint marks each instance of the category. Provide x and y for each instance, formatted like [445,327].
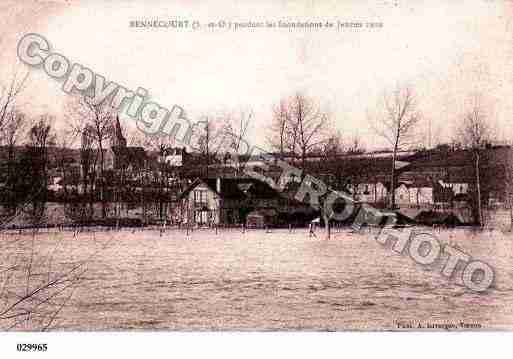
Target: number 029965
[31,347]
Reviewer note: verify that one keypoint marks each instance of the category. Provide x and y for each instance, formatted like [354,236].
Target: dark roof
[125,156]
[442,194]
[54,153]
[458,165]
[457,157]
[176,151]
[432,217]
[236,188]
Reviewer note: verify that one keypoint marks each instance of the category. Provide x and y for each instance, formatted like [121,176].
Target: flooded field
[140,280]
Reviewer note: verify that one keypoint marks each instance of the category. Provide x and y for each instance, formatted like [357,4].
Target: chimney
[218,185]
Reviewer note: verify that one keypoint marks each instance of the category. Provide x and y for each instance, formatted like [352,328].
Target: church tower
[118,140]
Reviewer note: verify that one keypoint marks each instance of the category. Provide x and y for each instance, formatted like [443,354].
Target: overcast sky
[445,50]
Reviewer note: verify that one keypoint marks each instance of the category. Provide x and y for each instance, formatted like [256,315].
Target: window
[201,217]
[200,197]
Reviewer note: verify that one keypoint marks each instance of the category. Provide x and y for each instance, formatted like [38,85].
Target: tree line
[301,127]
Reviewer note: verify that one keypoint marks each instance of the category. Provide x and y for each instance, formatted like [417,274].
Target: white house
[457,187]
[410,193]
[370,192]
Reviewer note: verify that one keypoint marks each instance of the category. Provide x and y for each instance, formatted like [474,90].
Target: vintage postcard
[255,166]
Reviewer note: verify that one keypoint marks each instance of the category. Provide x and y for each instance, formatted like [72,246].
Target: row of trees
[24,174]
[301,128]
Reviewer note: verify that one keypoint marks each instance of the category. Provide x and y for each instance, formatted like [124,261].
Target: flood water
[140,280]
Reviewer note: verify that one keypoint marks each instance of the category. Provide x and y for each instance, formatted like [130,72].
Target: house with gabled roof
[228,201]
[213,201]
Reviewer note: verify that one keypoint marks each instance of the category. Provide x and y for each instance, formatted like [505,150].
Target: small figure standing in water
[163,228]
[312,230]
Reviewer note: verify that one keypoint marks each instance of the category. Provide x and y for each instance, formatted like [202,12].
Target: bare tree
[235,126]
[11,125]
[88,163]
[301,127]
[40,138]
[309,126]
[95,122]
[203,137]
[37,282]
[346,171]
[65,138]
[40,135]
[165,179]
[8,95]
[474,134]
[278,137]
[218,137]
[11,134]
[13,128]
[395,121]
[33,288]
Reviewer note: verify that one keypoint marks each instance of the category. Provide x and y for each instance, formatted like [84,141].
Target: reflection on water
[270,281]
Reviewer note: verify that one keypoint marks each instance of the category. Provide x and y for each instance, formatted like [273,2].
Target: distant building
[174,157]
[121,156]
[118,140]
[128,158]
[414,193]
[226,201]
[229,201]
[375,192]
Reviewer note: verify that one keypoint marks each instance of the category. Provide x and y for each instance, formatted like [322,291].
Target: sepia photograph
[265,167]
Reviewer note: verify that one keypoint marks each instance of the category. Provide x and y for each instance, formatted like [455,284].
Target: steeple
[118,140]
